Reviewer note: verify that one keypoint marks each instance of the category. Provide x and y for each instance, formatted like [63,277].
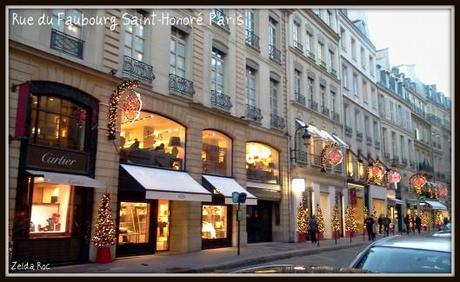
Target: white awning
[397,201]
[65,178]
[168,184]
[340,141]
[226,186]
[436,205]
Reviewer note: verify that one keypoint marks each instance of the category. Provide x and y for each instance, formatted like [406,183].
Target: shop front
[394,211]
[53,216]
[357,202]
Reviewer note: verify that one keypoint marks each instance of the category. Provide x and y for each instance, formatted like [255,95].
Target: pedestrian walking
[386,225]
[418,223]
[407,223]
[380,222]
[312,229]
[369,223]
[413,223]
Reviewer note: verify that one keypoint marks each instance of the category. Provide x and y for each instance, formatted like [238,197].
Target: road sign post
[239,198]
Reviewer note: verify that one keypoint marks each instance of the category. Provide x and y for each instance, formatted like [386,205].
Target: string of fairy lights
[114,104]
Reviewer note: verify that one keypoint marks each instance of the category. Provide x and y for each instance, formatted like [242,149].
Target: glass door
[163,226]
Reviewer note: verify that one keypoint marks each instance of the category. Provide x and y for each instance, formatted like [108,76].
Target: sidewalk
[212,259]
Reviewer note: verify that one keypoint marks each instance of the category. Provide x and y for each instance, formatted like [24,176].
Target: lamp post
[306,135]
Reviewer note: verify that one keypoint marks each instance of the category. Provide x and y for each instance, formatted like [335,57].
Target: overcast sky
[415,36]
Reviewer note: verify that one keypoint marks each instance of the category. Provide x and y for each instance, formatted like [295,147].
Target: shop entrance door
[259,222]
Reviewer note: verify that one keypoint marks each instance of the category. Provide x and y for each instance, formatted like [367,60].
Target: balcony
[395,161]
[299,98]
[251,39]
[404,161]
[336,116]
[359,136]
[313,105]
[325,111]
[323,64]
[333,72]
[138,69]
[302,157]
[253,113]
[298,46]
[221,101]
[412,164]
[66,43]
[274,53]
[311,55]
[377,145]
[368,140]
[277,122]
[219,18]
[386,156]
[181,86]
[348,131]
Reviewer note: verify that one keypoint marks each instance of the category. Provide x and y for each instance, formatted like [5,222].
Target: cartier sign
[50,158]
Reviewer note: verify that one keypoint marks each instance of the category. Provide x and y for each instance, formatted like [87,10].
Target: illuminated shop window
[57,122]
[163,225]
[360,169]
[262,163]
[349,164]
[134,223]
[216,153]
[153,140]
[50,213]
[214,225]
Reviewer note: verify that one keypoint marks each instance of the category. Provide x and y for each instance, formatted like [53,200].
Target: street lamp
[298,185]
[306,135]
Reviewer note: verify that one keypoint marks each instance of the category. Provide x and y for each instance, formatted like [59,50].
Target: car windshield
[403,260]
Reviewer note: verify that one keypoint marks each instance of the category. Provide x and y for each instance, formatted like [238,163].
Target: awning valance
[168,184]
[395,200]
[67,179]
[226,186]
[435,205]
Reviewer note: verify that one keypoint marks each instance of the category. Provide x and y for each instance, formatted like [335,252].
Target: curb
[268,258]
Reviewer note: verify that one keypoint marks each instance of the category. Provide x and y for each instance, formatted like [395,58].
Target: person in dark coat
[413,223]
[418,223]
[369,222]
[386,225]
[406,222]
[380,222]
[312,229]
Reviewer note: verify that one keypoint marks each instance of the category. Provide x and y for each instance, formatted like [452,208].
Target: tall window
[320,51]
[358,121]
[153,140]
[395,146]
[331,59]
[297,82]
[371,65]
[355,84]
[134,40]
[134,223]
[58,122]
[309,41]
[311,89]
[345,76]
[363,58]
[217,71]
[384,139]
[376,131]
[74,28]
[329,18]
[296,34]
[51,213]
[262,163]
[177,53]
[274,96]
[402,144]
[367,126]
[333,102]
[353,48]
[272,32]
[323,96]
[216,153]
[250,87]
[365,98]
[392,111]
[343,41]
[346,110]
[249,20]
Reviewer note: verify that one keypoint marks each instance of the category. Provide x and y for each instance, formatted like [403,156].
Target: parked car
[291,268]
[412,254]
[445,231]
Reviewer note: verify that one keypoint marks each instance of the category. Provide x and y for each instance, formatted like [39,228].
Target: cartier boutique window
[51,213]
[262,163]
[214,225]
[153,140]
[216,153]
[57,122]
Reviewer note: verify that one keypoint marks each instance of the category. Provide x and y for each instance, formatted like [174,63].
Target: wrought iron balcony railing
[274,53]
[277,122]
[181,85]
[298,46]
[66,43]
[348,131]
[359,135]
[253,113]
[299,98]
[368,140]
[325,111]
[412,164]
[336,116]
[220,100]
[386,156]
[138,69]
[219,18]
[333,72]
[395,161]
[404,161]
[377,145]
[252,39]
[313,105]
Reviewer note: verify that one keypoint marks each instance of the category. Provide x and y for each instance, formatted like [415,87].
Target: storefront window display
[214,225]
[216,153]
[262,163]
[134,223]
[358,213]
[379,206]
[50,214]
[163,225]
[57,122]
[153,140]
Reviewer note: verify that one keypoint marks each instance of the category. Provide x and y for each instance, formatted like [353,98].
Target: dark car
[399,254]
[291,268]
